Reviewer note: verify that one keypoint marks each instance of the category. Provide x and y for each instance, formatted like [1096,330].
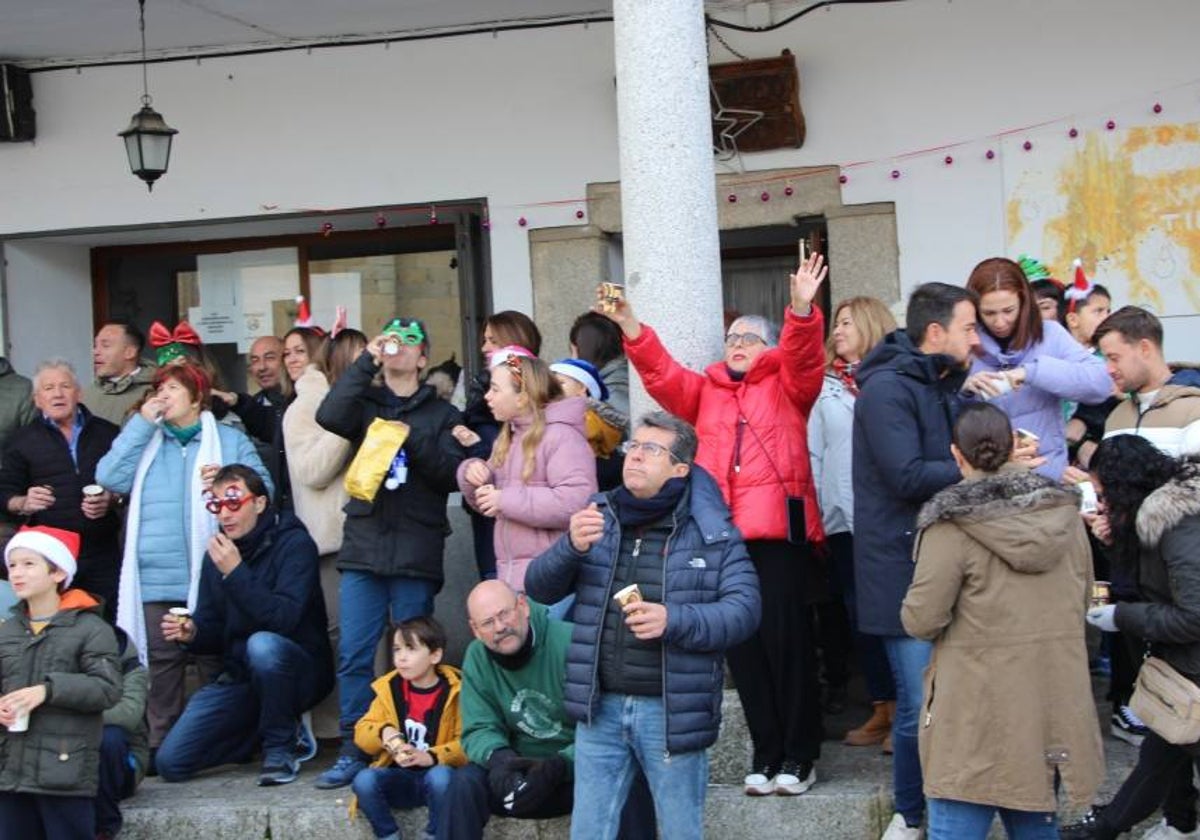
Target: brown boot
[887,745]
[878,727]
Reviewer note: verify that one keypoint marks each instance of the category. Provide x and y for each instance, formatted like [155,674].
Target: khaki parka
[1001,587]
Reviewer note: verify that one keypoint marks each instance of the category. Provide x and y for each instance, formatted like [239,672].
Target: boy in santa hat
[58,673]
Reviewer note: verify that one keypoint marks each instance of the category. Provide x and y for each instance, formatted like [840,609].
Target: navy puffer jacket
[712,598]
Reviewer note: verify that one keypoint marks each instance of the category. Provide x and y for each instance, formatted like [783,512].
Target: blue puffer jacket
[165,532]
[712,603]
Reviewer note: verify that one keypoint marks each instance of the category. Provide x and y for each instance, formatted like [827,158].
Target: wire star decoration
[729,124]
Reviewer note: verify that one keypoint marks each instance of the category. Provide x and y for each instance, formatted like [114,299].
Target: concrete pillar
[668,201]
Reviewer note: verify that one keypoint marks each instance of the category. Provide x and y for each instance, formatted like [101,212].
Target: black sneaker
[1127,726]
[795,777]
[278,771]
[1085,829]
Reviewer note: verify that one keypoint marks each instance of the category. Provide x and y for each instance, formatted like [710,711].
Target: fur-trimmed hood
[1021,517]
[1167,506]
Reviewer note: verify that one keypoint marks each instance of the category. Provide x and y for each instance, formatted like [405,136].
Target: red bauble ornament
[1027,145]
[486,225]
[765,196]
[326,228]
[1157,108]
[433,219]
[1110,125]
[990,154]
[843,179]
[895,174]
[1073,133]
[578,214]
[731,198]
[949,160]
[788,190]
[380,220]
[522,221]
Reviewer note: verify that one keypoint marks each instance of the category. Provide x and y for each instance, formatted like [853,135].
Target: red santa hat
[58,546]
[1078,291]
[303,313]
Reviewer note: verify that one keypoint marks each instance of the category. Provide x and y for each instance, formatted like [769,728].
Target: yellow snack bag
[374,458]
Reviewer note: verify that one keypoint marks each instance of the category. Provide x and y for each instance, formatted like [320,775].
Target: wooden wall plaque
[769,85]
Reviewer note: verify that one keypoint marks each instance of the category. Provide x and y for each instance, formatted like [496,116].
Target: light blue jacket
[831,450]
[165,533]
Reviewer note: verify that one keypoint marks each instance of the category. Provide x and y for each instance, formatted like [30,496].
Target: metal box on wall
[17,118]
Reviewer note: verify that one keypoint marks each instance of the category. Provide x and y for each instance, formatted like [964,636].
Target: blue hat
[584,372]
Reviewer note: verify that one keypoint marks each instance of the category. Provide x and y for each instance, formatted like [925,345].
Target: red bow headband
[168,343]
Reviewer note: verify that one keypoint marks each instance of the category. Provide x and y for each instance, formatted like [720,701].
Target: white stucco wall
[49,286]
[530,117]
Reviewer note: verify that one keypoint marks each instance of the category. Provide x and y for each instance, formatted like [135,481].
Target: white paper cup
[180,614]
[21,724]
[93,490]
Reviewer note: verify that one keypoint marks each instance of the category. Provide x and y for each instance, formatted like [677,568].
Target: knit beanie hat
[585,373]
[56,545]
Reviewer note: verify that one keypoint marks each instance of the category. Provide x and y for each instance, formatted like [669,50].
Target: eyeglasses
[747,339]
[500,619]
[651,450]
[233,500]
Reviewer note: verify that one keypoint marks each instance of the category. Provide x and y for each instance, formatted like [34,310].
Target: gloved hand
[1104,617]
[506,771]
[541,780]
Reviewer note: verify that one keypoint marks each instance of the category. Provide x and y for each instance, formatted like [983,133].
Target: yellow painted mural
[1125,201]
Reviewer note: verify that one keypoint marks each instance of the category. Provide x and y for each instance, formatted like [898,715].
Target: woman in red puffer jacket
[750,412]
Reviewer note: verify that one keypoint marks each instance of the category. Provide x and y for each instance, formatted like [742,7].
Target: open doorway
[756,264]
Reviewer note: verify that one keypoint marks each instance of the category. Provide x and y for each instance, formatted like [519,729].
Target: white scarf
[130,616]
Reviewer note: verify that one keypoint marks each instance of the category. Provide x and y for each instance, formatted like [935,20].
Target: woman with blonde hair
[859,323]
[541,469]
[316,463]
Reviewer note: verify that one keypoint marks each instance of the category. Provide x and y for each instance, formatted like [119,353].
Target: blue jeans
[221,721]
[950,819]
[380,789]
[365,600]
[908,658]
[627,729]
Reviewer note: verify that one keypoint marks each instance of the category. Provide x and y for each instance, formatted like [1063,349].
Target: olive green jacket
[75,657]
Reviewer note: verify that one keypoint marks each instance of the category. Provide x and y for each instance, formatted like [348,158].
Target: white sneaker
[1162,831]
[898,830]
[795,778]
[760,783]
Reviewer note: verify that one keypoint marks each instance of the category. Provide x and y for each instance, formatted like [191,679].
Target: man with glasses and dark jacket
[260,607]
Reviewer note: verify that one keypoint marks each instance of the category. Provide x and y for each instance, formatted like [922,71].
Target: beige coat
[317,462]
[1001,586]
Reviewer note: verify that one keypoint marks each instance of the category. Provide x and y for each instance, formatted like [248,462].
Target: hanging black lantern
[148,138]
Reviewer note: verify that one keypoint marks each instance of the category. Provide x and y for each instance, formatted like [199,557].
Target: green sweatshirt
[520,709]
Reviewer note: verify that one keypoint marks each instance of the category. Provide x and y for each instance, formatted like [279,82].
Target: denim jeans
[221,721]
[380,789]
[950,819]
[908,658]
[364,603]
[118,778]
[626,729]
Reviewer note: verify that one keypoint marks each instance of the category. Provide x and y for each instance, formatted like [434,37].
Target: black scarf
[633,512]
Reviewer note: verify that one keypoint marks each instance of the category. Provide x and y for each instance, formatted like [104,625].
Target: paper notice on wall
[248,282]
[216,324]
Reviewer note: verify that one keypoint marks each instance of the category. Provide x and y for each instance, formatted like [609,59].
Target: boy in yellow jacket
[412,729]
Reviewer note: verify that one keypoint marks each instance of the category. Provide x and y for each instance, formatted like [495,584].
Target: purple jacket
[1057,368]
[535,513]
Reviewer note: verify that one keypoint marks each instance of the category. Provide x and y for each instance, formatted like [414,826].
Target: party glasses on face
[747,339]
[233,500]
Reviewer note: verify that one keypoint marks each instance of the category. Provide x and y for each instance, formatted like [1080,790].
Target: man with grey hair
[48,464]
[663,586]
